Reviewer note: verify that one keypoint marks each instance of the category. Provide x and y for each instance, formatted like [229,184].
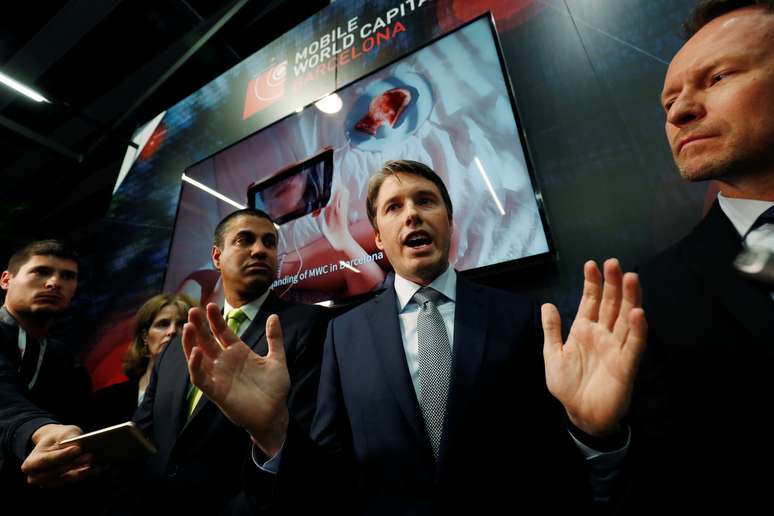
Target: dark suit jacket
[703,401]
[199,461]
[505,445]
[58,396]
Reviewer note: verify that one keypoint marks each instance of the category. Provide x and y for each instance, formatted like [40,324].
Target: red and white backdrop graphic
[572,64]
[266,89]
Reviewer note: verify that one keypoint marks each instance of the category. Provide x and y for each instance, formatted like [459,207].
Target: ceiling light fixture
[330,104]
[21,88]
[212,192]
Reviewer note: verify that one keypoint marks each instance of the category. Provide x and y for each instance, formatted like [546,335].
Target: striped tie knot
[234,318]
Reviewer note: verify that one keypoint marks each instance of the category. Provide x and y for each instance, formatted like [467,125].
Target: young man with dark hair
[41,386]
[702,406]
[434,396]
[200,452]
[53,248]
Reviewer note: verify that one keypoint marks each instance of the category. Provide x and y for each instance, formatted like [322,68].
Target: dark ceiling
[109,66]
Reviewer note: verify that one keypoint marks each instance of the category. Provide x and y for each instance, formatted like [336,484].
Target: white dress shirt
[743,213]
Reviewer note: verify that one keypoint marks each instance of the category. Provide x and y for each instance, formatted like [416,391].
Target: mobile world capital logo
[265,89]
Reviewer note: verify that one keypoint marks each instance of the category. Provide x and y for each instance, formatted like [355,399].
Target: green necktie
[234,318]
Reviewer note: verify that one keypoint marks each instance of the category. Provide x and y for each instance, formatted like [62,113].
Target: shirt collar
[742,212]
[250,309]
[7,318]
[445,283]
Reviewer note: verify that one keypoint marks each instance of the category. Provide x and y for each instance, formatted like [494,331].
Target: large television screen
[448,104]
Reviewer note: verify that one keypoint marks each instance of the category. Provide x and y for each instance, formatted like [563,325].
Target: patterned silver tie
[435,363]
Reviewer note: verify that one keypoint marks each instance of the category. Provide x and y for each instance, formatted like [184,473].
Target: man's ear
[216,256]
[378,240]
[5,279]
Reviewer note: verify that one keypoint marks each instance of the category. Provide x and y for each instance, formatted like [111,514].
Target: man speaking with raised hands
[433,396]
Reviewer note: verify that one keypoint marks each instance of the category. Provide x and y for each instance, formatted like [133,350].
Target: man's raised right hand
[251,390]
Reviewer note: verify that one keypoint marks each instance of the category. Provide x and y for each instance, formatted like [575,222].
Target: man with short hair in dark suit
[433,395]
[703,402]
[41,385]
[200,452]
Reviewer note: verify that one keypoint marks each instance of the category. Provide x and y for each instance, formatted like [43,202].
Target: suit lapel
[253,335]
[179,385]
[386,338]
[470,331]
[713,245]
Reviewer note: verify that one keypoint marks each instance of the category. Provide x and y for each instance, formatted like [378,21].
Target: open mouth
[418,240]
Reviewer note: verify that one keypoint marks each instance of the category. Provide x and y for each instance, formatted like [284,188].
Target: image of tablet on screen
[295,191]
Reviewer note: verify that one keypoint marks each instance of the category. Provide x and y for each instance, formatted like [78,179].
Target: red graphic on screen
[154,142]
[387,107]
[266,89]
[106,357]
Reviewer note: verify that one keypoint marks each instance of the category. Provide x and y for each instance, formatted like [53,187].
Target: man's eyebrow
[700,72]
[427,192]
[394,198]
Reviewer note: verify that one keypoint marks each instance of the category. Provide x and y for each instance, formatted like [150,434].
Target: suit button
[172,470]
